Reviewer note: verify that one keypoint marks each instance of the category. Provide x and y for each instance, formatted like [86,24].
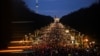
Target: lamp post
[86,42]
[37,6]
[73,40]
[67,31]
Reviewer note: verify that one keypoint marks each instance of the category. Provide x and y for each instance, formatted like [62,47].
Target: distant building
[56,20]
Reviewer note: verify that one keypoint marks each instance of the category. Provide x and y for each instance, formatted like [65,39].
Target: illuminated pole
[37,6]
[86,43]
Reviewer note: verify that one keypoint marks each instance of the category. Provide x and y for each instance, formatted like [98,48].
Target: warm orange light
[67,31]
[4,51]
[86,40]
[19,47]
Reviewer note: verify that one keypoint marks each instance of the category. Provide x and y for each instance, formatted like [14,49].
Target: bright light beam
[17,47]
[10,51]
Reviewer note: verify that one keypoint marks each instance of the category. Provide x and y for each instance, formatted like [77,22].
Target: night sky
[58,7]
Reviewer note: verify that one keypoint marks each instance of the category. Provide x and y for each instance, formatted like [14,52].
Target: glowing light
[72,38]
[5,51]
[77,43]
[17,47]
[72,42]
[67,31]
[86,40]
[93,42]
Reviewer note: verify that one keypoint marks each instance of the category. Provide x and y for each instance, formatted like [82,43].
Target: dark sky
[58,7]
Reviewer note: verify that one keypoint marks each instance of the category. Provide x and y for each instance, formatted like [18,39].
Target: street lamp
[73,40]
[37,6]
[86,43]
[86,40]
[67,31]
[93,42]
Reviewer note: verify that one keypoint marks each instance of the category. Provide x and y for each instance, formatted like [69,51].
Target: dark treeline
[16,10]
[85,20]
[20,12]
